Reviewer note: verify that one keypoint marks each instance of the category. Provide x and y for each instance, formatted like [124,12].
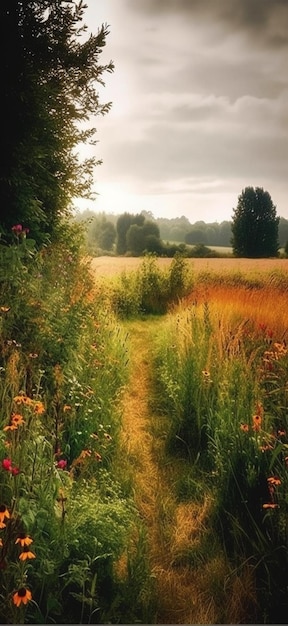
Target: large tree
[49,79]
[255,225]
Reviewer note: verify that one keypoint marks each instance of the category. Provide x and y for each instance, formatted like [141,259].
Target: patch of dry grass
[111,266]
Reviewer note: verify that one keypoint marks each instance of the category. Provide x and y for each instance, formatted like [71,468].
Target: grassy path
[172,527]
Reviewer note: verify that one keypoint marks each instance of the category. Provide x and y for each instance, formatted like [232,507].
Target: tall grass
[222,379]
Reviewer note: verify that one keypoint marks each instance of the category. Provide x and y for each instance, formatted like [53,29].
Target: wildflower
[281,433]
[23,399]
[33,355]
[273,480]
[265,448]
[4,514]
[67,407]
[244,427]
[17,419]
[24,540]
[270,505]
[39,408]
[257,420]
[22,596]
[7,465]
[10,427]
[1,543]
[16,229]
[26,554]
[62,463]
[15,470]
[98,457]
[107,436]
[4,309]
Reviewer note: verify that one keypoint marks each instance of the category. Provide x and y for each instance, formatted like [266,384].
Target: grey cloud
[262,19]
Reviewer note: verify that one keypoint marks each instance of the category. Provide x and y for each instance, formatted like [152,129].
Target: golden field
[109,266]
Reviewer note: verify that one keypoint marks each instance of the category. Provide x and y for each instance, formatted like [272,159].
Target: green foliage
[255,225]
[49,85]
[63,364]
[151,290]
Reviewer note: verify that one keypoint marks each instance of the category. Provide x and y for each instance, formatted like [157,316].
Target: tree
[49,75]
[139,237]
[255,225]
[123,224]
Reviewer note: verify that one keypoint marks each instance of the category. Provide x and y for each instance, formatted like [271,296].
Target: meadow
[143,443]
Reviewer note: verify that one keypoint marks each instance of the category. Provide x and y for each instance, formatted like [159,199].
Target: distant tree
[48,87]
[139,237]
[283,231]
[125,220]
[255,225]
[106,235]
[286,249]
[196,235]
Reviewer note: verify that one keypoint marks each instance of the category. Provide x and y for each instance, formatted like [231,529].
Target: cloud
[265,20]
[200,103]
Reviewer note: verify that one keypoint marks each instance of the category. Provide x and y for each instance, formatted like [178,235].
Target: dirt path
[171,527]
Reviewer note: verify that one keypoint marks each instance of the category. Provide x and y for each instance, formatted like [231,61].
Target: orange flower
[39,408]
[270,505]
[273,480]
[4,514]
[67,407]
[244,427]
[257,420]
[24,540]
[26,554]
[10,427]
[22,596]
[23,399]
[1,543]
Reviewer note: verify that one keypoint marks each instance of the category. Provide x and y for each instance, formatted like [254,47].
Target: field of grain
[110,266]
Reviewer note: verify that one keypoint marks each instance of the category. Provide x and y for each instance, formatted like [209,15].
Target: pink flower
[7,465]
[61,464]
[17,229]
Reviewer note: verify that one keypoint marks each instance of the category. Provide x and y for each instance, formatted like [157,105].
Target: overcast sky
[200,105]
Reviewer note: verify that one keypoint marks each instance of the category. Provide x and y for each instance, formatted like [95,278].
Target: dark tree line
[49,78]
[177,231]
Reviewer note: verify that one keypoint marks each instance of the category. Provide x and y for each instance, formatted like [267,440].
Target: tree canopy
[255,225]
[49,79]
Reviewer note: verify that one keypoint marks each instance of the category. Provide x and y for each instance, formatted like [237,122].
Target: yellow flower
[22,596]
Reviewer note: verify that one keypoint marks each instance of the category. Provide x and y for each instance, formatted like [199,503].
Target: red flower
[7,465]
[15,470]
[61,464]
